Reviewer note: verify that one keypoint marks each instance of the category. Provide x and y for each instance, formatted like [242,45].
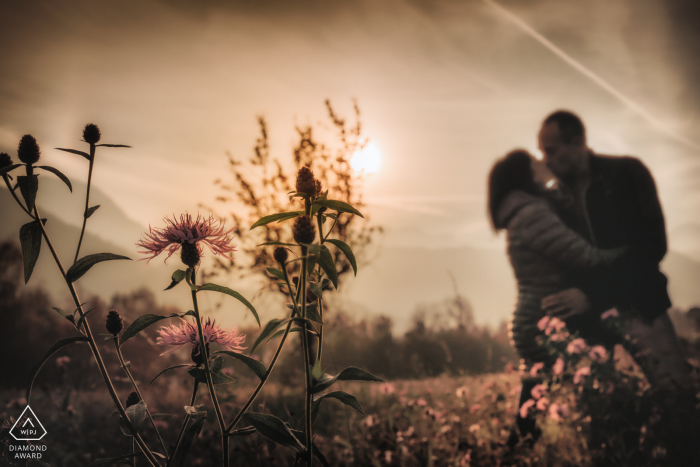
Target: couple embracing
[585,234]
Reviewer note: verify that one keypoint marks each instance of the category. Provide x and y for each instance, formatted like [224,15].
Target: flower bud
[132,399]
[303,230]
[114,323]
[28,150]
[190,254]
[5,160]
[318,188]
[281,255]
[91,133]
[306,183]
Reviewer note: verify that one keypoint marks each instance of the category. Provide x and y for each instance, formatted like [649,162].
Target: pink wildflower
[555,324]
[542,323]
[581,374]
[558,367]
[538,391]
[187,333]
[475,408]
[525,408]
[387,388]
[462,391]
[598,353]
[611,313]
[576,346]
[542,404]
[536,368]
[176,233]
[558,411]
[466,459]
[421,402]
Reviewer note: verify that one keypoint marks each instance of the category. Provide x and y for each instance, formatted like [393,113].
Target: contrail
[592,76]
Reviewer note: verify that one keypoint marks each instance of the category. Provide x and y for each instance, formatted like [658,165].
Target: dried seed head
[91,133]
[132,399]
[5,160]
[281,254]
[304,230]
[114,323]
[306,183]
[28,150]
[190,254]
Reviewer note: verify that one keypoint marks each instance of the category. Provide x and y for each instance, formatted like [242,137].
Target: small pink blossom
[558,411]
[538,391]
[387,388]
[576,346]
[555,324]
[558,367]
[474,428]
[525,408]
[598,353]
[611,313]
[187,333]
[542,404]
[465,461]
[581,374]
[542,323]
[462,391]
[536,368]
[421,402]
[62,361]
[559,336]
[205,230]
[475,408]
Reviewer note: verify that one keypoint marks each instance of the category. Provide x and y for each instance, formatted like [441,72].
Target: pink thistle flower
[558,367]
[598,353]
[576,346]
[187,333]
[525,408]
[176,233]
[536,368]
[538,391]
[542,404]
[611,313]
[581,374]
[542,323]
[558,411]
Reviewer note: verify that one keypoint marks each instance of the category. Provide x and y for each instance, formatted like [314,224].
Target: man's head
[562,140]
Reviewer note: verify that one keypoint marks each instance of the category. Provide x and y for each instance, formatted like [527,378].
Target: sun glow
[368,159]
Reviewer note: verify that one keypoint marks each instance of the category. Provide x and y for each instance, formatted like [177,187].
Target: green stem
[93,347]
[305,345]
[184,425]
[136,388]
[319,300]
[87,200]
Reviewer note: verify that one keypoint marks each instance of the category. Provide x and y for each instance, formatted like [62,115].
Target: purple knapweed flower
[187,333]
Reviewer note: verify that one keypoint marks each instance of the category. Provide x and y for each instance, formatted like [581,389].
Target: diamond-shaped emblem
[28,427]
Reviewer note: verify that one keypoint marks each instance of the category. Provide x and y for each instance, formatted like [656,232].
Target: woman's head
[512,172]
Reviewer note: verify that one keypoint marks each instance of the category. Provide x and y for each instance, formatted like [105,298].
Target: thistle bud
[303,230]
[91,133]
[318,188]
[190,254]
[5,160]
[28,150]
[132,399]
[281,255]
[306,183]
[114,323]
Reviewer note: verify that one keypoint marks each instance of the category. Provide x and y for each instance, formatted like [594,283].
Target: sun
[368,159]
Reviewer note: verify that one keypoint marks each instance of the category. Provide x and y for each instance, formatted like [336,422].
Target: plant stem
[14,195]
[305,345]
[207,372]
[93,347]
[184,425]
[87,199]
[136,388]
[319,300]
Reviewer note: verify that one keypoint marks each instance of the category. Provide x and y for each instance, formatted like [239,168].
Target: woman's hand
[567,303]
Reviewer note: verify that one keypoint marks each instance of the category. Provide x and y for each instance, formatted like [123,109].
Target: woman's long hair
[512,172]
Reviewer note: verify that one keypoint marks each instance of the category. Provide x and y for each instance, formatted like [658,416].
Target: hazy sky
[445,87]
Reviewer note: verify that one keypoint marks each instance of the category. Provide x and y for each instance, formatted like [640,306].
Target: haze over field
[445,87]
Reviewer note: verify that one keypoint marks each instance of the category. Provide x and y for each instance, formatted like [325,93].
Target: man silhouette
[613,204]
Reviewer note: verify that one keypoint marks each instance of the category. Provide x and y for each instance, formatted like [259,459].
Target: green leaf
[279,217]
[166,370]
[217,378]
[344,397]
[349,374]
[312,313]
[216,364]
[75,151]
[316,289]
[137,414]
[280,332]
[301,436]
[234,294]
[58,173]
[28,186]
[276,273]
[80,321]
[113,145]
[180,455]
[30,240]
[328,265]
[257,367]
[277,244]
[91,211]
[141,323]
[242,432]
[7,169]
[338,206]
[84,264]
[57,346]
[274,429]
[61,312]
[270,328]
[176,278]
[342,246]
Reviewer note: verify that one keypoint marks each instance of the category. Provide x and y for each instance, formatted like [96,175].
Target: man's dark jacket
[623,209]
